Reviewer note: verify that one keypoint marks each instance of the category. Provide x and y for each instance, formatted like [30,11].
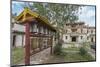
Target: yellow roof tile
[23,16]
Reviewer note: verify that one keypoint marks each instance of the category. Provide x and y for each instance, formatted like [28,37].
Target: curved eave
[21,18]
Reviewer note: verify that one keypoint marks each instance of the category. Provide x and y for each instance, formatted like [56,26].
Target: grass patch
[71,54]
[17,55]
[69,57]
[77,57]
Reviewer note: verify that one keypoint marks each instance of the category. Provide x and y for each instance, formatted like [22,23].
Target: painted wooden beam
[27,44]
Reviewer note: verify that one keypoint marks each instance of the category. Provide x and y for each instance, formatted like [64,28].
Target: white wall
[68,38]
[18,40]
[84,38]
[18,27]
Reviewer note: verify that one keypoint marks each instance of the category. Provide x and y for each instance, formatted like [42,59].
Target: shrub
[82,51]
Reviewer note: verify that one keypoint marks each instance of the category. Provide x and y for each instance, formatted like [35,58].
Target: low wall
[66,45]
[39,57]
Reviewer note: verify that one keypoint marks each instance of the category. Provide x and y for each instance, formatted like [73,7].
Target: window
[34,43]
[66,37]
[81,37]
[73,25]
[74,30]
[14,39]
[34,28]
[44,31]
[73,39]
[39,29]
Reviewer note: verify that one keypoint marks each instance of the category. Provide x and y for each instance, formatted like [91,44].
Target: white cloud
[88,15]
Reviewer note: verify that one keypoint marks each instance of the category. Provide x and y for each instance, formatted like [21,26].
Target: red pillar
[27,43]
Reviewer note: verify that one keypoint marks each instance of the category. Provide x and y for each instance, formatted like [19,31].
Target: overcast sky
[87,12]
[88,15]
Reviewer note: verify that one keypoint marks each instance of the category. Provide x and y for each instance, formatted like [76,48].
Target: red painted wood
[27,43]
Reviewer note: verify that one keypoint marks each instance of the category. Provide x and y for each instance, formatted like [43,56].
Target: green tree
[56,13]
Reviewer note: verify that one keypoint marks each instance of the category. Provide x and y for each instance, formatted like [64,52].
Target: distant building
[78,33]
[18,34]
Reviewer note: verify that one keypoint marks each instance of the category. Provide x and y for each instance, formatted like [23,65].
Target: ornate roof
[29,15]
